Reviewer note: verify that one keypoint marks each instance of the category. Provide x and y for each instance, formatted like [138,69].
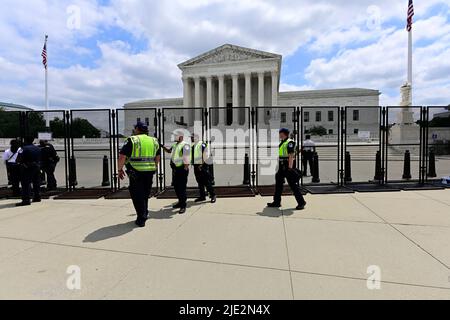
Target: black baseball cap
[285,131]
[141,126]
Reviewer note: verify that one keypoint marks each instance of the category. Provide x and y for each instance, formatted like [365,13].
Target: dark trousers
[293,181]
[204,180]
[140,190]
[49,170]
[308,157]
[14,177]
[180,180]
[30,175]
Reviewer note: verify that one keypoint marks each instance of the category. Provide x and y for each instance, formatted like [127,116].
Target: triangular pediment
[229,53]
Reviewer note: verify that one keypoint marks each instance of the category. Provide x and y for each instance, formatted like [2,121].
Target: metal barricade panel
[268,122]
[363,143]
[11,127]
[323,125]
[230,135]
[404,135]
[54,123]
[91,143]
[438,143]
[126,119]
[187,121]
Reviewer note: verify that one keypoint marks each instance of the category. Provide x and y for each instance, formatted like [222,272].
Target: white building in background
[230,77]
[13,107]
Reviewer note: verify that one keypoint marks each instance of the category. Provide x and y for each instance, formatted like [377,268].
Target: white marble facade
[231,77]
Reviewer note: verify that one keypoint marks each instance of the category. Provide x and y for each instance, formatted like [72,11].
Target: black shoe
[213,199]
[177,206]
[301,207]
[201,199]
[274,205]
[182,211]
[37,200]
[140,223]
[23,204]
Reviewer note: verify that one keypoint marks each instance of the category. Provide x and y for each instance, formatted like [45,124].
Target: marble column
[209,93]
[236,105]
[274,89]
[261,92]
[248,89]
[197,103]
[187,88]
[221,79]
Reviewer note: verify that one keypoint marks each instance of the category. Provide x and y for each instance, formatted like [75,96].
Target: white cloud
[177,30]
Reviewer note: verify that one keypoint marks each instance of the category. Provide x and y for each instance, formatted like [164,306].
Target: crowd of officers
[27,166]
[141,155]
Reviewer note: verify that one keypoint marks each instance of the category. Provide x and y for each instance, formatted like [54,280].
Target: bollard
[73,172]
[246,171]
[105,180]
[211,172]
[432,165]
[378,173]
[316,171]
[407,166]
[348,167]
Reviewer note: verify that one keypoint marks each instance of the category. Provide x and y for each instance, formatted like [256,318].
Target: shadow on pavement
[7,206]
[163,214]
[271,213]
[110,232]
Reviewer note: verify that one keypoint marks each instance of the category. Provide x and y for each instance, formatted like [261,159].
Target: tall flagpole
[47,122]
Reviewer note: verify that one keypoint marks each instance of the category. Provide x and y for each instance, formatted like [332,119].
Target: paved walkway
[235,249]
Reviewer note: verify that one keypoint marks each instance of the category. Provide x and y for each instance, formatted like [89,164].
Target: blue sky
[107,53]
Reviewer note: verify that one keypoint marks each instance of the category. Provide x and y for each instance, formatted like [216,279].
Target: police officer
[200,157]
[180,162]
[309,147]
[12,167]
[287,171]
[29,160]
[49,160]
[140,156]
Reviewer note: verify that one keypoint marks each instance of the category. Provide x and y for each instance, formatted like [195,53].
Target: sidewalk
[235,249]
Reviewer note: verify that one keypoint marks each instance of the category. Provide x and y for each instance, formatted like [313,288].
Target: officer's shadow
[275,213]
[110,232]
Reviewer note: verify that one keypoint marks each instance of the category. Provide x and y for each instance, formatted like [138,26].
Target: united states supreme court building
[231,77]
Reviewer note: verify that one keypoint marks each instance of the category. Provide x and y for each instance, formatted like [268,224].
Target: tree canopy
[10,126]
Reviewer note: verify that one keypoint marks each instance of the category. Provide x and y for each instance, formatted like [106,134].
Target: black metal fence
[360,148]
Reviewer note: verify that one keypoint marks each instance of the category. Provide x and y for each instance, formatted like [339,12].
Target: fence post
[105,180]
[316,171]
[407,166]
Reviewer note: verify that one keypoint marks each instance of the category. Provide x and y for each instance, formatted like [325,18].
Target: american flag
[410,15]
[44,54]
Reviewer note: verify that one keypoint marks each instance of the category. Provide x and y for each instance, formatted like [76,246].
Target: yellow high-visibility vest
[197,150]
[143,157]
[178,154]
[283,152]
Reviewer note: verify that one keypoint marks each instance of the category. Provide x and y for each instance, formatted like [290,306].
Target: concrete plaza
[236,249]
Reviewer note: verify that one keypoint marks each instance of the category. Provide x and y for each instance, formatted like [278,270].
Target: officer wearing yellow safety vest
[180,163]
[200,157]
[287,171]
[140,156]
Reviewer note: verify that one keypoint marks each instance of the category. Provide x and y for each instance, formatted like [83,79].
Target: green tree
[440,122]
[317,131]
[83,128]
